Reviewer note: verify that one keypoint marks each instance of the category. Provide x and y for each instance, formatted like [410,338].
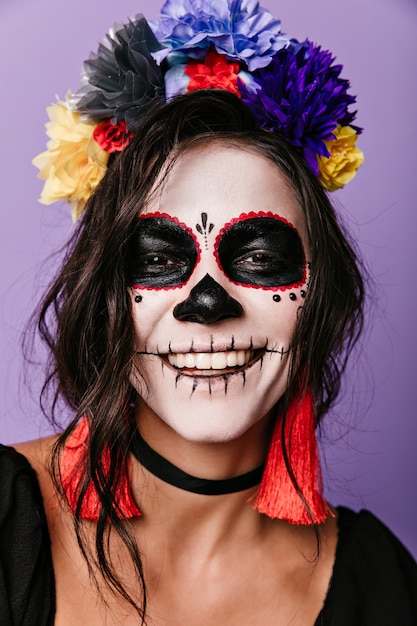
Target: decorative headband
[289,86]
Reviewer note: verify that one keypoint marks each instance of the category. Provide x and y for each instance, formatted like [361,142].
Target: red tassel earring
[72,468]
[277,496]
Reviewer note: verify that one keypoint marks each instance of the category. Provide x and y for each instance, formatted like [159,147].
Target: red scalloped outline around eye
[246,216]
[184,227]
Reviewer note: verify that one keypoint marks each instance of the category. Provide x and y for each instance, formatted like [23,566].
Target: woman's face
[219,271]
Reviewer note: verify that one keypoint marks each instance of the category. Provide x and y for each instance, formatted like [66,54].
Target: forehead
[225,181]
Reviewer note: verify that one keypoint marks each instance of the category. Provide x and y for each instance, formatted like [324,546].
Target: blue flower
[240,29]
[302,95]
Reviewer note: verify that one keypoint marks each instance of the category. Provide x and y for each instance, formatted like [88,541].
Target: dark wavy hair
[85,317]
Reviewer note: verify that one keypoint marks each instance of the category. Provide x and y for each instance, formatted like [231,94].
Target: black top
[27,590]
[374,580]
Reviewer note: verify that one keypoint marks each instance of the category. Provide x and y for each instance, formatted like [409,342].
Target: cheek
[273,312]
[149,307]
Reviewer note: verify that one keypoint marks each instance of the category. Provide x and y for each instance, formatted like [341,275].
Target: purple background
[369,442]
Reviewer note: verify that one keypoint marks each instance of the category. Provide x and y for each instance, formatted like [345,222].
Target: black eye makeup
[162,252]
[261,251]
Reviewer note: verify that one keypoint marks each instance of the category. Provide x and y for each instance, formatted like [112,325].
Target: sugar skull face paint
[223,236]
[261,250]
[163,252]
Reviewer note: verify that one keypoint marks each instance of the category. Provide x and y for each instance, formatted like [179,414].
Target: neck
[175,517]
[186,523]
[166,471]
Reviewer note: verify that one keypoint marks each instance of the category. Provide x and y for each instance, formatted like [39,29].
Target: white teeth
[189,360]
[203,361]
[241,357]
[210,360]
[231,358]
[219,361]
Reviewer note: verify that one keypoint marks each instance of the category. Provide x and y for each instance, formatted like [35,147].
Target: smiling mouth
[212,363]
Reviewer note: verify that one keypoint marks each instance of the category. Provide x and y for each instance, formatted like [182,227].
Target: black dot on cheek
[138,299]
[276,297]
[293,296]
[302,293]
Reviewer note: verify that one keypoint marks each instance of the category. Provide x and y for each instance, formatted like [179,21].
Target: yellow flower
[344,160]
[74,163]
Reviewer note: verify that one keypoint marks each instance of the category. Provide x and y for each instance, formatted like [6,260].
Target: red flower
[214,73]
[112,137]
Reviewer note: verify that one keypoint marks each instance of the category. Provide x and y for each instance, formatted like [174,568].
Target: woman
[198,329]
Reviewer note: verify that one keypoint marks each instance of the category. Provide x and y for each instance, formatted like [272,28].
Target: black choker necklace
[169,473]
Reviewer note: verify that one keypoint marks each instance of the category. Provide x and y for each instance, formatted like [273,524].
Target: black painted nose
[207,303]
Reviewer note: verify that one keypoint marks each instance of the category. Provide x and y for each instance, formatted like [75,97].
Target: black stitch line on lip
[161,354]
[209,384]
[244,378]
[261,360]
[225,384]
[195,385]
[192,350]
[178,376]
[149,353]
[282,351]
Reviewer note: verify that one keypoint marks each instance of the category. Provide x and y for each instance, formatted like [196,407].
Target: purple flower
[122,78]
[302,95]
[240,29]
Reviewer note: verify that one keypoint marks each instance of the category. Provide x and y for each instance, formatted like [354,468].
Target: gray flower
[122,79]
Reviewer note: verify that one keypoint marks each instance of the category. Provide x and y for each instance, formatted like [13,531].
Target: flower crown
[236,45]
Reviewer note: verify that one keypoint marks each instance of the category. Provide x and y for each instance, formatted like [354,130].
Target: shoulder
[374,577]
[19,485]
[26,575]
[365,541]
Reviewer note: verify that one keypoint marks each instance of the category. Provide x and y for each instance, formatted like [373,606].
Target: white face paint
[221,268]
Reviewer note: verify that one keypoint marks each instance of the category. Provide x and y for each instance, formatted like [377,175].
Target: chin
[205,427]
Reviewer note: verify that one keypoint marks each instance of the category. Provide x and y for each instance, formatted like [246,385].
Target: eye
[259,262]
[152,264]
[161,253]
[261,251]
